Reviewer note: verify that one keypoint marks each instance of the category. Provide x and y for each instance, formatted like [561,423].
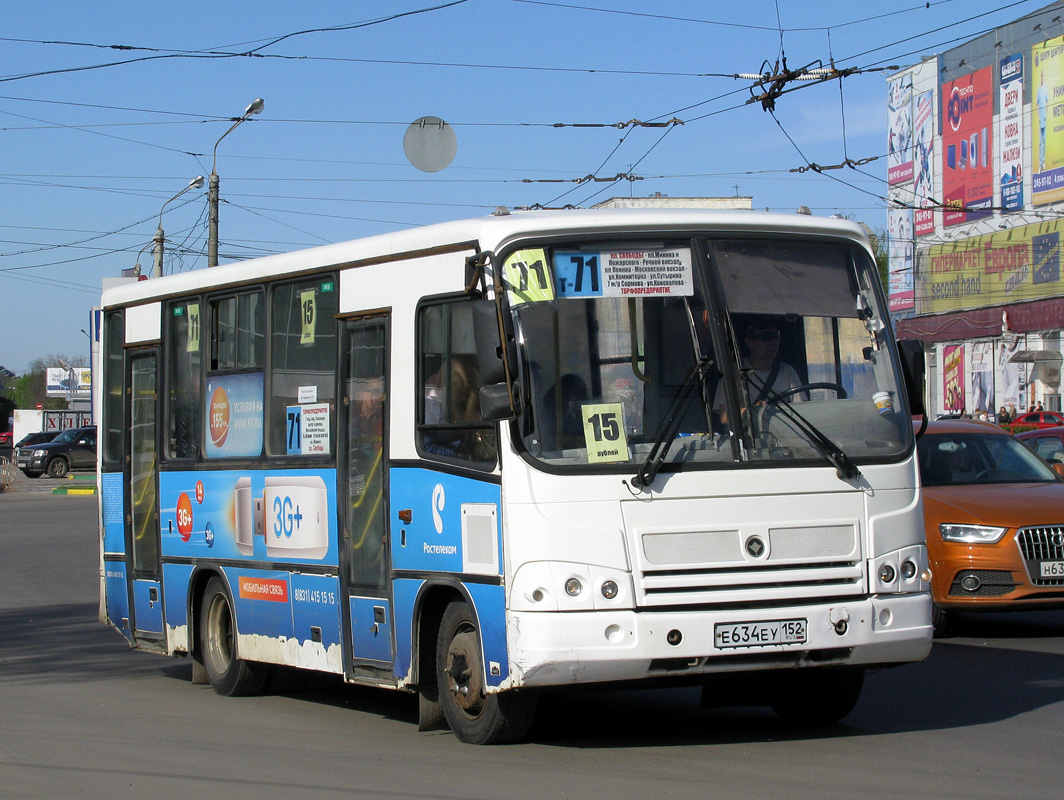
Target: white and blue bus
[481,459]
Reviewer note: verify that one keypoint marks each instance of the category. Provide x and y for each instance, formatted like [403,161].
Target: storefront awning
[1047,357]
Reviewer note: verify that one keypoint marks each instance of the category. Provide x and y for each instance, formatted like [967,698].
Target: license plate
[1051,569]
[758,634]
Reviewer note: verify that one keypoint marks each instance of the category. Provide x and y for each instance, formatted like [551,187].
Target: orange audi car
[994,517]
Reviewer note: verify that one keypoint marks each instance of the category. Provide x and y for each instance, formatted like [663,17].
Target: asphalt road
[82,716]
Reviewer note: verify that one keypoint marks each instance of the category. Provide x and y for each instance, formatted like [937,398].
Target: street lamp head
[196,183]
[255,108]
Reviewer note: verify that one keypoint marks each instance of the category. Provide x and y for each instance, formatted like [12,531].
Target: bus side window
[185,379]
[450,426]
[302,359]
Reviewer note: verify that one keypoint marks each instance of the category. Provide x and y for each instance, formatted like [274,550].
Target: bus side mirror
[495,402]
[912,372]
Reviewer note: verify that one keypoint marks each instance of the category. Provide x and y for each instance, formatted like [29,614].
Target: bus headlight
[561,586]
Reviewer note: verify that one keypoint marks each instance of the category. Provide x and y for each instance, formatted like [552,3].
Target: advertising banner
[74,382]
[967,142]
[900,258]
[234,415]
[1047,130]
[953,377]
[900,133]
[1011,133]
[1008,266]
[923,173]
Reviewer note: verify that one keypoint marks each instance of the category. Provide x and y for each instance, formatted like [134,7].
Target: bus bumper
[562,648]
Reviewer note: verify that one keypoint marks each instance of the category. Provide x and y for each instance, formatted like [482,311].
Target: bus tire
[228,675]
[475,716]
[817,695]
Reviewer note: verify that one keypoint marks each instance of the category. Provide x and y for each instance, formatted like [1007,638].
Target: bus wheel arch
[474,715]
[227,673]
[431,605]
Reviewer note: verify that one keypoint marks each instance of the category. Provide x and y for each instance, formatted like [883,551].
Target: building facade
[976,196]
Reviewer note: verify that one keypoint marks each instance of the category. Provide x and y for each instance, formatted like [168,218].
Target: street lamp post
[212,188]
[157,269]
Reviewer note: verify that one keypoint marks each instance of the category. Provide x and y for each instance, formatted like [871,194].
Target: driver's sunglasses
[764,336]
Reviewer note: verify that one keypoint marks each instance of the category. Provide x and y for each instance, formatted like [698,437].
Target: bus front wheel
[228,675]
[474,715]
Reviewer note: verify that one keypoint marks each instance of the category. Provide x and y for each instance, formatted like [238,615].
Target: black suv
[74,448]
[36,438]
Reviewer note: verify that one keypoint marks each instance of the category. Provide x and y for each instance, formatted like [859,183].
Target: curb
[74,490]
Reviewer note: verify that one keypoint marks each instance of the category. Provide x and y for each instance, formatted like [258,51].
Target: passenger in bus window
[448,401]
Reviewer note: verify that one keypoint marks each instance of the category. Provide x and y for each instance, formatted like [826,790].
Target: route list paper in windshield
[624,273]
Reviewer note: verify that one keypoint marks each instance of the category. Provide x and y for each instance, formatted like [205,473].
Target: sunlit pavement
[74,484]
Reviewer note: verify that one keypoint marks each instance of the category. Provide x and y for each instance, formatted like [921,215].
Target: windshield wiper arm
[670,424]
[845,469]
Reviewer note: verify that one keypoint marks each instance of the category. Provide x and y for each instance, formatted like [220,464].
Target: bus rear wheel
[228,675]
[474,715]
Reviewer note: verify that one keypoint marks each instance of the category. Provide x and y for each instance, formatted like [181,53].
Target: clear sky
[107,110]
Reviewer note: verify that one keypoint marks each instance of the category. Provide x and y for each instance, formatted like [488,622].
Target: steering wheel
[986,474]
[805,387]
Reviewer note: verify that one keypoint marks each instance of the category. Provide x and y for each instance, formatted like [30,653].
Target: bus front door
[365,560]
[143,564]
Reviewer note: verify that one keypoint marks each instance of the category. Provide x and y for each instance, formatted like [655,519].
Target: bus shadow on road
[67,642]
[992,669]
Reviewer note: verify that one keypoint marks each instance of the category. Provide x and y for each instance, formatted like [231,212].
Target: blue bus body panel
[489,603]
[432,541]
[371,637]
[175,594]
[148,603]
[117,596]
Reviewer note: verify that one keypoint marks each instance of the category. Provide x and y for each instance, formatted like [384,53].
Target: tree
[30,388]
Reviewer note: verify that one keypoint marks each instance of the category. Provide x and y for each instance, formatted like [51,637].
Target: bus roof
[484,233]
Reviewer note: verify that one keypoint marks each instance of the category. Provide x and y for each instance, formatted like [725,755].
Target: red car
[1039,419]
[5,438]
[1047,442]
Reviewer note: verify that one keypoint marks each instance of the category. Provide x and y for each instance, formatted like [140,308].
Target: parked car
[994,520]
[39,437]
[74,448]
[5,438]
[1047,442]
[1038,419]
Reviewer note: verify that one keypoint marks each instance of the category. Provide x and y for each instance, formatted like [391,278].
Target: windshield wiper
[670,423]
[845,469]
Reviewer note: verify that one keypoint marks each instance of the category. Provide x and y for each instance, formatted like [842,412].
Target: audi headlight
[971,534]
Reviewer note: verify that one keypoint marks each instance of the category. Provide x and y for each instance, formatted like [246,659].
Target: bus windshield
[705,352]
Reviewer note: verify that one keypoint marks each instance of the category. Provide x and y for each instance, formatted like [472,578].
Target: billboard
[1010,133]
[953,378]
[900,259]
[923,172]
[1007,266]
[1047,130]
[73,382]
[967,144]
[900,130]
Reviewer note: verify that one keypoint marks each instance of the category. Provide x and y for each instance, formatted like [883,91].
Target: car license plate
[1051,569]
[757,634]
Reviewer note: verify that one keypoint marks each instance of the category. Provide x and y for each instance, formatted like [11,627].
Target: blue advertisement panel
[234,415]
[271,515]
[112,502]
